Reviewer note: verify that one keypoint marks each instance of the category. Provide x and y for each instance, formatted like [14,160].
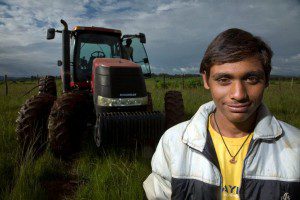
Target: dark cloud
[38,58]
[178,32]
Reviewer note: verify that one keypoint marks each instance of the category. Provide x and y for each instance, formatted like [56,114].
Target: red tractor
[101,89]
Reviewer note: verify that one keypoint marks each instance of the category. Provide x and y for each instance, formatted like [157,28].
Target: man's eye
[252,79]
[223,81]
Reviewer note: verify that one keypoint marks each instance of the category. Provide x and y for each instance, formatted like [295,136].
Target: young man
[128,50]
[233,147]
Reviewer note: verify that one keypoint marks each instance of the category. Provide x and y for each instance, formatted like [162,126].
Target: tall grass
[112,177]
[20,174]
[98,174]
[9,151]
[283,101]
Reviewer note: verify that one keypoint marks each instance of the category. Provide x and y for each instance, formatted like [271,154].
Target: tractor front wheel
[67,122]
[31,129]
[174,109]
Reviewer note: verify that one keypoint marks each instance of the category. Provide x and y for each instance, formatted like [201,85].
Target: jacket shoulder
[166,150]
[174,134]
[276,159]
[290,131]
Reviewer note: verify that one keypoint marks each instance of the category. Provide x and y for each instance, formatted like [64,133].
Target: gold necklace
[232,160]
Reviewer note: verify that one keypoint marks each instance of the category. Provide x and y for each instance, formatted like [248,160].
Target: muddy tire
[150,103]
[174,109]
[67,122]
[31,129]
[47,85]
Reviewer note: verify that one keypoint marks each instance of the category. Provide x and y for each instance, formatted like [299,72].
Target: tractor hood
[119,81]
[114,62]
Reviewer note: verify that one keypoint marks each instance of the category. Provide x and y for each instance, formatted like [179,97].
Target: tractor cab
[89,43]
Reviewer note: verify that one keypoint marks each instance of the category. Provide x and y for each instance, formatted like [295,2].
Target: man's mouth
[238,107]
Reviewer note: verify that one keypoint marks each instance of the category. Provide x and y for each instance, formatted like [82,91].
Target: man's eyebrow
[259,74]
[221,74]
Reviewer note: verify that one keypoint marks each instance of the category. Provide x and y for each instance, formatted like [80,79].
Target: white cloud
[286,70]
[185,70]
[296,57]
[23,27]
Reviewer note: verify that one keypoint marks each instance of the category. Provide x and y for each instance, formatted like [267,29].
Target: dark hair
[234,45]
[129,41]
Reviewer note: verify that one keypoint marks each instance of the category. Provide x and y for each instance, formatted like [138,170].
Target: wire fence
[163,81]
[6,81]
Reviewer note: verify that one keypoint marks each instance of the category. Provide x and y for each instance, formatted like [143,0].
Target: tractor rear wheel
[47,85]
[67,122]
[150,103]
[31,129]
[174,109]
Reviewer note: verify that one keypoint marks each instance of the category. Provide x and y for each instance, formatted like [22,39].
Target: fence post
[279,83]
[6,85]
[292,82]
[164,81]
[182,77]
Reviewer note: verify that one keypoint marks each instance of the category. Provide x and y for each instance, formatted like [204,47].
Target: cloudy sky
[178,32]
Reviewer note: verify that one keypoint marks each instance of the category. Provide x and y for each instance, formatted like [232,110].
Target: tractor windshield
[90,46]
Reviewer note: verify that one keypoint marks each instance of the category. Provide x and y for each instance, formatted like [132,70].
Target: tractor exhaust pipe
[66,77]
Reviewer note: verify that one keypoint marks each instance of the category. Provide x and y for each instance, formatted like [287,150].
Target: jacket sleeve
[158,183]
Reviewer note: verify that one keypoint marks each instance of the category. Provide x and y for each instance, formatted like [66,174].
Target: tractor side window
[139,54]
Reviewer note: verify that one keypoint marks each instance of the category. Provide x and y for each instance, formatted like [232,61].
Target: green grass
[107,175]
[283,101]
[112,177]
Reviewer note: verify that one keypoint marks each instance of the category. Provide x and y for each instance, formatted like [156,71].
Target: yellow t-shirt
[231,173]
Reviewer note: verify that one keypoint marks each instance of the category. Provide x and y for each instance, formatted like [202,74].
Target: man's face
[128,42]
[236,88]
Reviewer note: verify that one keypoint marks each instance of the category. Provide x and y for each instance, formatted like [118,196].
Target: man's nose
[238,91]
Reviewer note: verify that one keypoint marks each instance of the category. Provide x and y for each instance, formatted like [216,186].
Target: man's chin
[238,117]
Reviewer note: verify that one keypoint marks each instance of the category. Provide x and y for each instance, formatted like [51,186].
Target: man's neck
[230,129]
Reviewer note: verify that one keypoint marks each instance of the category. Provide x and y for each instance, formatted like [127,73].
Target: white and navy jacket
[185,165]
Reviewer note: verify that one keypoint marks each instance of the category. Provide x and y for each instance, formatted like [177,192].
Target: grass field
[109,175]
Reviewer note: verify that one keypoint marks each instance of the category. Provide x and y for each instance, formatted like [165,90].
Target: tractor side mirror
[146,60]
[148,75]
[50,33]
[59,63]
[142,38]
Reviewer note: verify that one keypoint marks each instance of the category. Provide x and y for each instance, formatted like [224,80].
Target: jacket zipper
[218,170]
[220,175]
[247,155]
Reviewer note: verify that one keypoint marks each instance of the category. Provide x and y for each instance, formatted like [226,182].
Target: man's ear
[267,84]
[205,80]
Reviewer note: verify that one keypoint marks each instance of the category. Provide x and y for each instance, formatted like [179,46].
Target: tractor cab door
[136,51]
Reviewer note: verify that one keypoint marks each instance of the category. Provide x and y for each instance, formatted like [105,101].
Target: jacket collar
[195,134]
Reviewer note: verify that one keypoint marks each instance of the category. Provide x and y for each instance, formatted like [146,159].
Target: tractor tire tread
[174,108]
[67,122]
[32,119]
[47,85]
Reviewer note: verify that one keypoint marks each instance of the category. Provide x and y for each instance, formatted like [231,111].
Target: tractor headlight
[104,101]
